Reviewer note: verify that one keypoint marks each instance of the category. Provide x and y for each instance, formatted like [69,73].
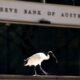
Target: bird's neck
[47,57]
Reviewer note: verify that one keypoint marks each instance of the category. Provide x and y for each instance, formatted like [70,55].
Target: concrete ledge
[41,77]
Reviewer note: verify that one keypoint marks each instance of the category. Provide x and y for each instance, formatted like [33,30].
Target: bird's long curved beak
[55,57]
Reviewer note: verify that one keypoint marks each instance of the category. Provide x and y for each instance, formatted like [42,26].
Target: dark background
[18,42]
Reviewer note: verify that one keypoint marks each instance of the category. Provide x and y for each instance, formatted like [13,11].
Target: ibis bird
[37,59]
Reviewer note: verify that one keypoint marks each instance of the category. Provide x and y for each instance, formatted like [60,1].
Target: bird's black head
[51,53]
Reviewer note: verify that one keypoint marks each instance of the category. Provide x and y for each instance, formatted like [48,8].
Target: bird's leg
[35,72]
[43,70]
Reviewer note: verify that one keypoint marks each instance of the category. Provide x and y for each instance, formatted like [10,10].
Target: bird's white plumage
[36,59]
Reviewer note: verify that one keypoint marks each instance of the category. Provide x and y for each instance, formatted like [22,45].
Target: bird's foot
[46,73]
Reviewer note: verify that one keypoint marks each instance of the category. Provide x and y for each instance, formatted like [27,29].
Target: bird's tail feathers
[26,59]
[25,62]
[26,65]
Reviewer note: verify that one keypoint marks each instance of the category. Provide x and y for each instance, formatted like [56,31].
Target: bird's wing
[36,56]
[33,56]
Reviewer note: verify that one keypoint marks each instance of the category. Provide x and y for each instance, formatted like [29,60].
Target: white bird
[37,59]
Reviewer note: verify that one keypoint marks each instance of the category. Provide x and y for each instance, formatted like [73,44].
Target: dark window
[18,42]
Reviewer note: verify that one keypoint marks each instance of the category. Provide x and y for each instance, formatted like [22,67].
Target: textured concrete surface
[40,77]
